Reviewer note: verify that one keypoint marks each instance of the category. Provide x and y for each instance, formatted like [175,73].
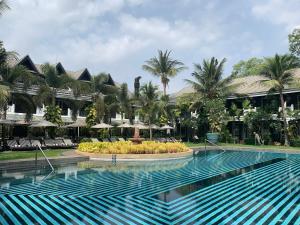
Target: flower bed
[127,147]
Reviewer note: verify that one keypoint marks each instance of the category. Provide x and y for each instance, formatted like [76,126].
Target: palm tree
[3,6]
[104,96]
[123,99]
[278,75]
[164,67]
[149,105]
[209,83]
[166,110]
[53,81]
[211,91]
[9,78]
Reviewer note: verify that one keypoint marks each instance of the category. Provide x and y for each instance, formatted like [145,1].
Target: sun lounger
[113,139]
[121,139]
[54,143]
[25,144]
[13,144]
[94,140]
[106,140]
[69,143]
[35,143]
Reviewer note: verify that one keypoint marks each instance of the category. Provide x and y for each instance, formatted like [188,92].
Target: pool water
[233,187]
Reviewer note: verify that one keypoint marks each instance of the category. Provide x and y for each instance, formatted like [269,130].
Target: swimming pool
[235,187]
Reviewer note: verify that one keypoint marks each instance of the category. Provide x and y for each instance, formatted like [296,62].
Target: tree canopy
[252,66]
[164,67]
[294,42]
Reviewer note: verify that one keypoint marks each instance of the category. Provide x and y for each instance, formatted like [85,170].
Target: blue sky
[117,36]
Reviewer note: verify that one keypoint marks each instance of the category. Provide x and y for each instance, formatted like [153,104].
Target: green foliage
[278,76]
[163,119]
[83,140]
[252,66]
[164,67]
[148,102]
[259,122]
[249,141]
[53,114]
[209,83]
[294,42]
[166,111]
[225,135]
[216,114]
[91,115]
[103,133]
[3,6]
[125,104]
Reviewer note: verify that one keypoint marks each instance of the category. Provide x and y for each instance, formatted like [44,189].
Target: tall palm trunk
[285,124]
[165,88]
[150,128]
[3,130]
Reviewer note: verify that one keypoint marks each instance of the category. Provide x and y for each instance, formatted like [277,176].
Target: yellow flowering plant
[127,147]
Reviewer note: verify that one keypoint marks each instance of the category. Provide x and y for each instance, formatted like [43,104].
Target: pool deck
[66,158]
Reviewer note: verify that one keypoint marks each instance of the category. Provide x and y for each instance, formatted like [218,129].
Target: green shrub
[295,142]
[249,141]
[83,140]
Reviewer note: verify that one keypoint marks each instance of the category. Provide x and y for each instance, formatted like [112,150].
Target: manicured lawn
[29,154]
[190,144]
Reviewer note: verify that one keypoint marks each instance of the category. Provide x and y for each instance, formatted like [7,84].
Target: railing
[207,141]
[223,149]
[38,147]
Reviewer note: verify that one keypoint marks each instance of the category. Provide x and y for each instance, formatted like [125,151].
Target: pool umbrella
[166,127]
[126,125]
[102,126]
[43,124]
[154,127]
[77,124]
[141,126]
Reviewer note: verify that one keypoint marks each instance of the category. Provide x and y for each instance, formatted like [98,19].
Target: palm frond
[3,6]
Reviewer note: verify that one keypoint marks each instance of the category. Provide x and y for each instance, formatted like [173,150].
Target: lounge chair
[113,139]
[121,139]
[95,140]
[35,143]
[25,144]
[54,143]
[13,144]
[169,140]
[59,143]
[69,143]
[106,140]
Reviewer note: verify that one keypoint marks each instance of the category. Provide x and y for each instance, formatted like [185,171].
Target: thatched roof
[250,85]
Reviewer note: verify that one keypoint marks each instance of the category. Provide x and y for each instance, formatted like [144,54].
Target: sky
[118,36]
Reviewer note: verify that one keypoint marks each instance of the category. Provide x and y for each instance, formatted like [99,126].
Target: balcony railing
[60,93]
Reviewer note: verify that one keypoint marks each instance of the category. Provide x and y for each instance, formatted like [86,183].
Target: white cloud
[74,32]
[279,12]
[176,34]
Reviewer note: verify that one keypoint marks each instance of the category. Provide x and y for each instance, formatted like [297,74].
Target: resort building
[248,87]
[251,88]
[16,110]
